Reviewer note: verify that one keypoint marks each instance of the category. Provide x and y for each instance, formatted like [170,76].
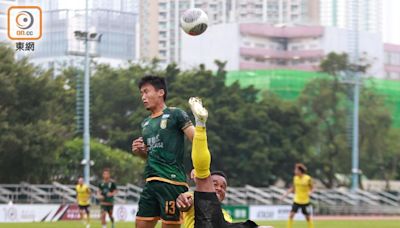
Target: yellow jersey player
[185,200]
[207,207]
[83,199]
[302,189]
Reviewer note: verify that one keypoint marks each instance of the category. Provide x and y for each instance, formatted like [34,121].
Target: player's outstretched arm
[290,190]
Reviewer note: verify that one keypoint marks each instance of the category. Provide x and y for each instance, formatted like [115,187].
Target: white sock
[199,123]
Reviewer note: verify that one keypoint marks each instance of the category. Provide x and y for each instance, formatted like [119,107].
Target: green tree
[31,132]
[254,136]
[326,104]
[29,151]
[323,106]
[114,99]
[125,168]
[378,144]
[288,136]
[392,157]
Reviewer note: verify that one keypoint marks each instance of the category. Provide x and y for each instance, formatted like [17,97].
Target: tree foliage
[254,136]
[327,104]
[124,167]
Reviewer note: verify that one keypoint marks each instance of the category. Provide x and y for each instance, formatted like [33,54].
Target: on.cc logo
[24,20]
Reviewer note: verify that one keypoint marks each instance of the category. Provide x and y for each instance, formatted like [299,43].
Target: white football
[194,21]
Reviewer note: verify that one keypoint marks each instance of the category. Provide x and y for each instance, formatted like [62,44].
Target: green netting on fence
[288,84]
[390,89]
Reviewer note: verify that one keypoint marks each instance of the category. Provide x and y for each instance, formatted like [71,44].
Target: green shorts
[107,208]
[157,200]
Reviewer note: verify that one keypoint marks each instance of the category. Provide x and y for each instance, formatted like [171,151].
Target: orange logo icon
[24,22]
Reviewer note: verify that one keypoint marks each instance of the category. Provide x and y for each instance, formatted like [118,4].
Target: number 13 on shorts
[170,207]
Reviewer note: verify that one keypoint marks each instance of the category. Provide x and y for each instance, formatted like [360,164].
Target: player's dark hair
[220,173]
[106,170]
[301,167]
[157,82]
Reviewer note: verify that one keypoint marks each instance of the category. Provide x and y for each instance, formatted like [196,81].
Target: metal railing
[248,195]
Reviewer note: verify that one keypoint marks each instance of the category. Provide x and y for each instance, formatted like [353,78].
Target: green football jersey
[105,188]
[164,138]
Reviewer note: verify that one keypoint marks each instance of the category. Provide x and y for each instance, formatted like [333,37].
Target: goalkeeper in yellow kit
[207,207]
[302,189]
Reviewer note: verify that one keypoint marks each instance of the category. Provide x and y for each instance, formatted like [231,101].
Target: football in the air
[194,21]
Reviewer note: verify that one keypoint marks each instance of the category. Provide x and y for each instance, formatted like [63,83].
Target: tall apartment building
[4,5]
[275,11]
[335,13]
[115,20]
[159,29]
[160,33]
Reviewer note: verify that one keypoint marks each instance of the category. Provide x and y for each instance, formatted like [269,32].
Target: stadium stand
[339,201]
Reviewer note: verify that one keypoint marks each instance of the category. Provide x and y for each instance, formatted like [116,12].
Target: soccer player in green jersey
[162,145]
[107,191]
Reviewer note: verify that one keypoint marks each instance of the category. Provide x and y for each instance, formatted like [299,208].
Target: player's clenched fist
[139,148]
[184,201]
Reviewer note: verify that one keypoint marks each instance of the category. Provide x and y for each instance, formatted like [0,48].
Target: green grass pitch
[318,224]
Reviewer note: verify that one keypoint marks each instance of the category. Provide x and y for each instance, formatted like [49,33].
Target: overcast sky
[390,17]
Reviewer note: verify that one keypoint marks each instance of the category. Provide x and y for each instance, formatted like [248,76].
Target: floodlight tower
[353,17]
[86,133]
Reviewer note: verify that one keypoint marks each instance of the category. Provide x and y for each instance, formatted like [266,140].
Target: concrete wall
[217,42]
